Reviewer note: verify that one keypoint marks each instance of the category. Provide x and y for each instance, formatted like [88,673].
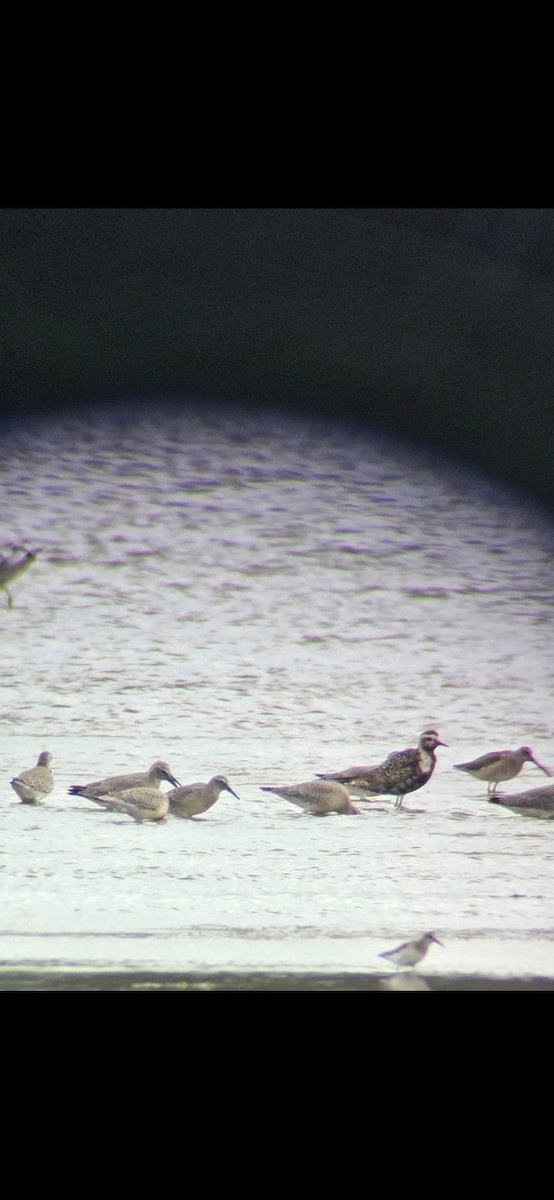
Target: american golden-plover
[402,772]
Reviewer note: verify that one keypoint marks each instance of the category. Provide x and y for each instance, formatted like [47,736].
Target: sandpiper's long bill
[499,766]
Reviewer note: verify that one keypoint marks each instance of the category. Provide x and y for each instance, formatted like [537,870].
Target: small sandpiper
[194,798]
[410,953]
[11,568]
[537,802]
[141,803]
[499,765]
[158,772]
[402,772]
[33,785]
[319,797]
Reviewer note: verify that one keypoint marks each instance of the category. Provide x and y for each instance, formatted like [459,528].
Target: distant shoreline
[15,979]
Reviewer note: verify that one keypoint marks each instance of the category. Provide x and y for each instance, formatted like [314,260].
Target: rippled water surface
[268,597]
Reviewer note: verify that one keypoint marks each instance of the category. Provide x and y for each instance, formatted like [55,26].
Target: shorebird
[118,783]
[499,765]
[410,953]
[402,772]
[141,803]
[36,783]
[195,798]
[11,568]
[319,797]
[537,802]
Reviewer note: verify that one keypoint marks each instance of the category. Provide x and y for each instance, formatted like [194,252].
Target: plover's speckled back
[194,798]
[141,803]
[410,953]
[537,802]
[158,772]
[402,772]
[319,797]
[33,785]
[11,567]
[499,766]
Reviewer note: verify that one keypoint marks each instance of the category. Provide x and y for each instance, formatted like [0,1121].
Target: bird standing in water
[158,772]
[537,802]
[33,785]
[402,772]
[499,765]
[410,953]
[11,568]
[194,798]
[319,797]
[140,803]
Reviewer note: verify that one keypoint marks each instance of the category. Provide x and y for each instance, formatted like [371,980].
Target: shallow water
[266,597]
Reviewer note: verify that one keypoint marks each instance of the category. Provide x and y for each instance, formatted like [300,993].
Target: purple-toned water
[249,594]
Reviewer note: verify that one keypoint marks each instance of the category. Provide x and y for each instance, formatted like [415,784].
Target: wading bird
[319,797]
[402,772]
[11,568]
[158,772]
[194,798]
[36,783]
[410,953]
[499,765]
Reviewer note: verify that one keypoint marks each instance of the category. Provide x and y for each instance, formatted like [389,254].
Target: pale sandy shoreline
[17,979]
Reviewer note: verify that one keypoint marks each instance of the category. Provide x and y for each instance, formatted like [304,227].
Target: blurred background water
[268,597]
